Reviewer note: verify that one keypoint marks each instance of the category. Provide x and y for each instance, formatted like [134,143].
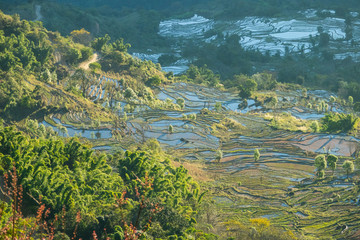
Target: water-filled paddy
[71,131]
[280,186]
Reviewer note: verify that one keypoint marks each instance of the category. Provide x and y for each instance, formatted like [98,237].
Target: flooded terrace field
[267,35]
[280,186]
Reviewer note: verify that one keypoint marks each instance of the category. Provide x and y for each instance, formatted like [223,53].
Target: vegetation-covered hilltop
[138,21]
[314,67]
[60,188]
[40,76]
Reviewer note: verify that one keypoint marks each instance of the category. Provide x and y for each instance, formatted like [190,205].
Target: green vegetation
[336,122]
[288,122]
[199,181]
[67,176]
[320,164]
[180,102]
[332,160]
[219,155]
[171,128]
[246,87]
[348,166]
[32,49]
[40,55]
[200,75]
[256,155]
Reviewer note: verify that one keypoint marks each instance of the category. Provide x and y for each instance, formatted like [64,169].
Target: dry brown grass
[293,166]
[197,171]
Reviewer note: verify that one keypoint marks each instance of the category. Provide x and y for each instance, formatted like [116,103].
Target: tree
[265,81]
[86,53]
[273,101]
[99,43]
[98,134]
[332,160]
[348,28]
[256,155]
[46,76]
[304,92]
[153,81]
[81,36]
[218,106]
[348,166]
[350,100]
[315,126]
[320,164]
[73,56]
[168,185]
[246,87]
[192,116]
[84,80]
[357,107]
[120,46]
[219,155]
[65,173]
[332,99]
[339,122]
[63,130]
[324,39]
[171,128]
[357,163]
[111,90]
[129,93]
[180,102]
[95,66]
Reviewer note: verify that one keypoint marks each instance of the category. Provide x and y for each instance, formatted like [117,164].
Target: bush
[95,66]
[246,86]
[153,81]
[339,122]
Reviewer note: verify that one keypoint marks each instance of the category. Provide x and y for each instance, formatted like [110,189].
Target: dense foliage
[200,75]
[334,122]
[68,175]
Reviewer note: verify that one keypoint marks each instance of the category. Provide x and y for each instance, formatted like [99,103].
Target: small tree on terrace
[171,128]
[246,85]
[315,126]
[348,166]
[180,102]
[256,154]
[219,155]
[85,81]
[332,160]
[357,163]
[320,164]
[218,106]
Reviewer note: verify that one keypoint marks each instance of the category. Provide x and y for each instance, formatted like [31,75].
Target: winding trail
[85,65]
[38,13]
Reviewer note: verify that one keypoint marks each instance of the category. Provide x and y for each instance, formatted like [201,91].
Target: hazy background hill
[138,21]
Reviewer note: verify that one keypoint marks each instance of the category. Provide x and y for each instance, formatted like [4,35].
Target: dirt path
[85,65]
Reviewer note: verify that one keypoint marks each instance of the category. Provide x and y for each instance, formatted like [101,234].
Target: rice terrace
[179,120]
